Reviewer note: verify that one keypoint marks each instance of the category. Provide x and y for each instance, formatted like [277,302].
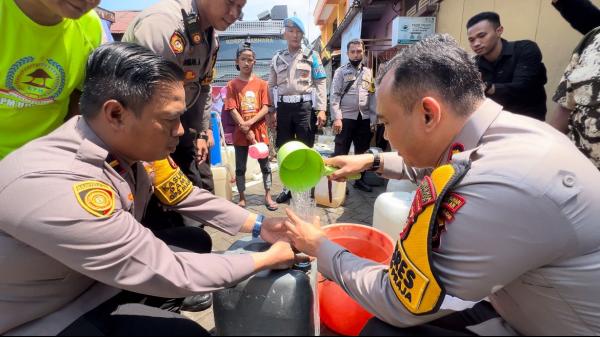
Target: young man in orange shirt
[248,102]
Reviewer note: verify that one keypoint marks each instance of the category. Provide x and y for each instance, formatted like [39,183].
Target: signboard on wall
[408,30]
[353,31]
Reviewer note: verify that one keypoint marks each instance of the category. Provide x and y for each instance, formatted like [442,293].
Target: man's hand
[305,237]
[349,165]
[273,230]
[337,126]
[251,137]
[244,127]
[201,151]
[321,119]
[279,256]
[211,139]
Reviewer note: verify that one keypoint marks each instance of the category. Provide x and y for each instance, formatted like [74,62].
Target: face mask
[356,63]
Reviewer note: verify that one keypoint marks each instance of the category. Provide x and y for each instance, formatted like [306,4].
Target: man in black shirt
[513,72]
[583,15]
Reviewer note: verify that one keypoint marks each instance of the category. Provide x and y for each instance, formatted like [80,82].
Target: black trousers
[241,163]
[452,325]
[353,131]
[131,314]
[296,121]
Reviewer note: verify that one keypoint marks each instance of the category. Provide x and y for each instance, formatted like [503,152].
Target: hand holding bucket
[259,151]
[301,168]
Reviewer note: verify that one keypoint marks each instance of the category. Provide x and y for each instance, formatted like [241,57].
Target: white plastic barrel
[391,211]
[253,171]
[222,180]
[338,193]
[401,186]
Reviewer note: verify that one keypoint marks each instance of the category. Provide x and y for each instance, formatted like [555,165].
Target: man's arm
[115,249]
[472,264]
[372,102]
[272,83]
[336,94]
[528,72]
[582,15]
[319,83]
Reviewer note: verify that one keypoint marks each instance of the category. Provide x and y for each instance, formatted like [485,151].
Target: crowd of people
[104,150]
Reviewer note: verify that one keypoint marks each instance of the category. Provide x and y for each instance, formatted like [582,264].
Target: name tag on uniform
[349,77]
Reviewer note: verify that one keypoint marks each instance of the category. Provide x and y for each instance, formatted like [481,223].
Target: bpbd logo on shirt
[30,83]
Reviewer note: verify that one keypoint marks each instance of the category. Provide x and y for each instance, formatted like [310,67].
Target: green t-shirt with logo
[40,67]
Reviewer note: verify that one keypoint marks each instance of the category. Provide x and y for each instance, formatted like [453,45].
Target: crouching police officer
[506,210]
[298,87]
[71,202]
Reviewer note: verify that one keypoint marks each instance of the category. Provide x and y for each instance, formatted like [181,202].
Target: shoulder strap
[350,84]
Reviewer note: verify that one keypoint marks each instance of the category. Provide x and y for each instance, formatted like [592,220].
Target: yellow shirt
[40,66]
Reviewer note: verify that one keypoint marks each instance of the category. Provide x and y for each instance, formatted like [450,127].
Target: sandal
[272,207]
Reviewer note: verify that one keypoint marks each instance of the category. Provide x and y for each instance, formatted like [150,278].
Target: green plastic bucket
[301,168]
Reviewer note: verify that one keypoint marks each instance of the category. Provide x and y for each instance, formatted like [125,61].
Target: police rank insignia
[95,197]
[412,275]
[177,43]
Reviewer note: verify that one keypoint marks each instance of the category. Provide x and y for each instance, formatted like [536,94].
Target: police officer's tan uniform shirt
[528,235]
[357,101]
[161,29]
[52,250]
[293,74]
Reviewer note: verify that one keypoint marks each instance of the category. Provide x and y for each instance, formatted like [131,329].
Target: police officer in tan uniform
[298,88]
[352,92]
[183,31]
[506,210]
[71,202]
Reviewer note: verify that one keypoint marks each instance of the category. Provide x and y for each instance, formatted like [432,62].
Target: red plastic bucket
[339,312]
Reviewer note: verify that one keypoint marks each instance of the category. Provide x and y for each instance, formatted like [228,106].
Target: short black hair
[127,73]
[355,41]
[492,17]
[435,64]
[246,46]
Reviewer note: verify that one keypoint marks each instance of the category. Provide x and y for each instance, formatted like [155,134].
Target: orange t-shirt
[248,98]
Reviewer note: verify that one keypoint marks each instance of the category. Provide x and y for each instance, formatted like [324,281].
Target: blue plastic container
[215,151]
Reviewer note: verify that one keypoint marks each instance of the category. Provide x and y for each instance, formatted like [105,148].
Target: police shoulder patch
[177,43]
[96,198]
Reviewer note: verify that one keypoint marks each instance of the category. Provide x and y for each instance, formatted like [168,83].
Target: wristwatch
[376,152]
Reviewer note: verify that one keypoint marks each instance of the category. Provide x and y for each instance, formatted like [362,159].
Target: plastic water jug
[270,303]
[338,193]
[253,171]
[401,186]
[215,151]
[391,212]
[222,181]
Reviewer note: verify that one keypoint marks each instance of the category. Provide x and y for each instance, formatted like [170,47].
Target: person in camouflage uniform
[578,96]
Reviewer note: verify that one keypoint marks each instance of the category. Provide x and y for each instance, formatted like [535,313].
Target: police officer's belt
[294,98]
[412,274]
